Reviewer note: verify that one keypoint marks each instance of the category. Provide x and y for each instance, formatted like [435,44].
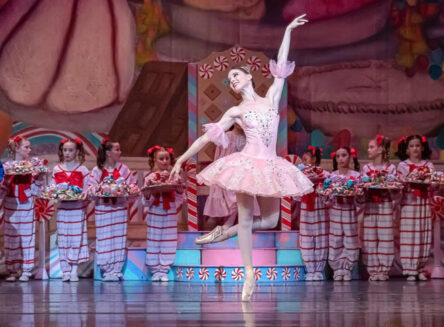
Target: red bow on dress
[312,149]
[310,200]
[105,173]
[167,198]
[23,183]
[75,178]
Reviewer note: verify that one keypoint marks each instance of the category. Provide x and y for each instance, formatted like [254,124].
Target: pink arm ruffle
[216,134]
[281,70]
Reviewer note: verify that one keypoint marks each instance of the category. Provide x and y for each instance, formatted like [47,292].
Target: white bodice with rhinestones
[261,129]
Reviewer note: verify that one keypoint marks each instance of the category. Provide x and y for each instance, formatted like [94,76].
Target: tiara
[246,68]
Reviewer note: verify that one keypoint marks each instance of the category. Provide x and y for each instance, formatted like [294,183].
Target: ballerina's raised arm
[214,132]
[282,68]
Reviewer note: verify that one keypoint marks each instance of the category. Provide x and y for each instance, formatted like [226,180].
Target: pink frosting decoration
[281,70]
[216,134]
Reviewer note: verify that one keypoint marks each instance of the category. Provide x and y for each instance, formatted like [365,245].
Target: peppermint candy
[204,273]
[206,71]
[237,274]
[189,273]
[254,63]
[43,209]
[237,54]
[271,273]
[257,274]
[220,63]
[297,273]
[286,273]
[179,273]
[266,71]
[220,274]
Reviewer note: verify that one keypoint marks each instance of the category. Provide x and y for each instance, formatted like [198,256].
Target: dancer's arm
[228,119]
[283,68]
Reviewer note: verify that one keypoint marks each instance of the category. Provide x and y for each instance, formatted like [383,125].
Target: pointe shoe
[211,236]
[422,276]
[66,278]
[248,288]
[347,277]
[164,278]
[318,276]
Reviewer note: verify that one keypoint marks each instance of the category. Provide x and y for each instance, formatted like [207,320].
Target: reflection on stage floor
[359,303]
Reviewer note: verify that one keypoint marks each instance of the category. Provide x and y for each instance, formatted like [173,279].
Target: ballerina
[256,170]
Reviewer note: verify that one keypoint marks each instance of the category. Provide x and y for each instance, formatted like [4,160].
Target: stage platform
[142,303]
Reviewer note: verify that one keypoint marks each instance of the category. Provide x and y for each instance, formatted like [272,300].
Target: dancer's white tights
[244,229]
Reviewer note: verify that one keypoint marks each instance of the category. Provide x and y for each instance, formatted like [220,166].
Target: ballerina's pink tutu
[256,170]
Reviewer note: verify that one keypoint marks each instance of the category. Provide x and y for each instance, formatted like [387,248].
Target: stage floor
[358,303]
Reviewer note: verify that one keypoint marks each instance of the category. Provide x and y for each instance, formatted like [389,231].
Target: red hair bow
[321,150]
[312,149]
[63,141]
[78,141]
[424,139]
[17,140]
[152,149]
[332,155]
[402,139]
[170,150]
[106,138]
[354,153]
[379,139]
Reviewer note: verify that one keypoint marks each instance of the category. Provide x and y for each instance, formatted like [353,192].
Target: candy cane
[190,168]
[286,201]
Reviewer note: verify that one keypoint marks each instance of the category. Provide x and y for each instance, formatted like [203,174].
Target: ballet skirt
[220,201]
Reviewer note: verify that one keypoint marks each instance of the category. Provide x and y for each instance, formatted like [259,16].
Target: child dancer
[71,216]
[313,227]
[343,234]
[221,202]
[162,211]
[19,214]
[111,216]
[416,221]
[377,243]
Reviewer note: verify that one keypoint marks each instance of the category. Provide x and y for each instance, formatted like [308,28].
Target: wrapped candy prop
[63,192]
[111,188]
[381,180]
[34,166]
[342,187]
